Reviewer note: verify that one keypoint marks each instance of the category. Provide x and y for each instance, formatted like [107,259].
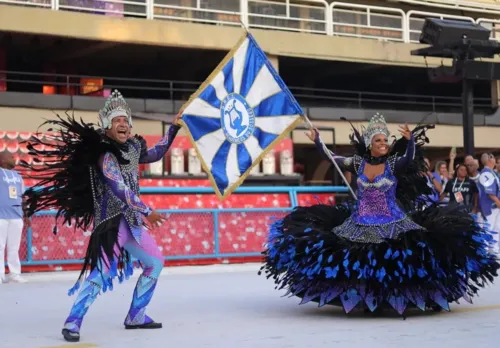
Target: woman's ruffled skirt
[447,260]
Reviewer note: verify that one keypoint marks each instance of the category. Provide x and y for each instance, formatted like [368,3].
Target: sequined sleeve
[113,176]
[344,163]
[157,152]
[402,161]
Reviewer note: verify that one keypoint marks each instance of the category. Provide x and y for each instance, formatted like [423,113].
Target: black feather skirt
[446,260]
[106,255]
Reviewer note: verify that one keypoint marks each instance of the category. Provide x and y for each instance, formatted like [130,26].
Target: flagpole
[327,151]
[242,24]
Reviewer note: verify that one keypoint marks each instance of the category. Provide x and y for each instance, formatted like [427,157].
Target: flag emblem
[237,118]
[238,114]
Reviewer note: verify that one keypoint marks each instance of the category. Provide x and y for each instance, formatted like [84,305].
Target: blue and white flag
[238,114]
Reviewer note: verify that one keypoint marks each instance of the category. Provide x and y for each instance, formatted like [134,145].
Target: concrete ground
[229,306]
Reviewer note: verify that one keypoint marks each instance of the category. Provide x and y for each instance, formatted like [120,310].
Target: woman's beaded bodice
[376,216]
[377,199]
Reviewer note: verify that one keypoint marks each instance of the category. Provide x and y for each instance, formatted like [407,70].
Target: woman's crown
[377,125]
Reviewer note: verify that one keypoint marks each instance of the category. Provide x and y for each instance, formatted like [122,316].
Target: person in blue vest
[489,201]
[11,218]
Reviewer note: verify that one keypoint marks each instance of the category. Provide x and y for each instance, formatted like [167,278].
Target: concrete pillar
[495,86]
[495,93]
[274,61]
[3,66]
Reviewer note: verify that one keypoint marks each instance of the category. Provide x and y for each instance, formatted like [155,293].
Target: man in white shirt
[472,168]
[11,217]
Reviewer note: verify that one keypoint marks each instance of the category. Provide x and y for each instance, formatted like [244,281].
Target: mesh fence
[244,232]
[184,235]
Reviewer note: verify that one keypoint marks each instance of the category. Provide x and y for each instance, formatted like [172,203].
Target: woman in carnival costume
[90,175]
[388,249]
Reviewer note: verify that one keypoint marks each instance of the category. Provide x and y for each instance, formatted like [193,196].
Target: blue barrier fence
[292,192]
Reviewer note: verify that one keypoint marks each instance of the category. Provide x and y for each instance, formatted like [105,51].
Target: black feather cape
[62,162]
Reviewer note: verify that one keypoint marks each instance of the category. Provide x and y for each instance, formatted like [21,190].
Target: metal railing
[205,229]
[368,21]
[217,12]
[491,24]
[393,101]
[307,16]
[173,90]
[119,8]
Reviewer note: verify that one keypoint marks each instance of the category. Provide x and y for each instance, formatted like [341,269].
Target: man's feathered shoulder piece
[62,162]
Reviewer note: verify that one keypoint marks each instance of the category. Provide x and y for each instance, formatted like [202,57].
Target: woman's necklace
[375,160]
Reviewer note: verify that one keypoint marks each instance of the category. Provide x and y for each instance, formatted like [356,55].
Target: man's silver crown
[115,106]
[377,125]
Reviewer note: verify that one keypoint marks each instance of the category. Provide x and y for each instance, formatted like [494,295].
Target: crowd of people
[473,183]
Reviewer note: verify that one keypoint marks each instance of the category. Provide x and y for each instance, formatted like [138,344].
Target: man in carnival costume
[94,178]
[387,250]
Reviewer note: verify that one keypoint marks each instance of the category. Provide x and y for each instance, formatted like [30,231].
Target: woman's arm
[451,166]
[437,184]
[403,161]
